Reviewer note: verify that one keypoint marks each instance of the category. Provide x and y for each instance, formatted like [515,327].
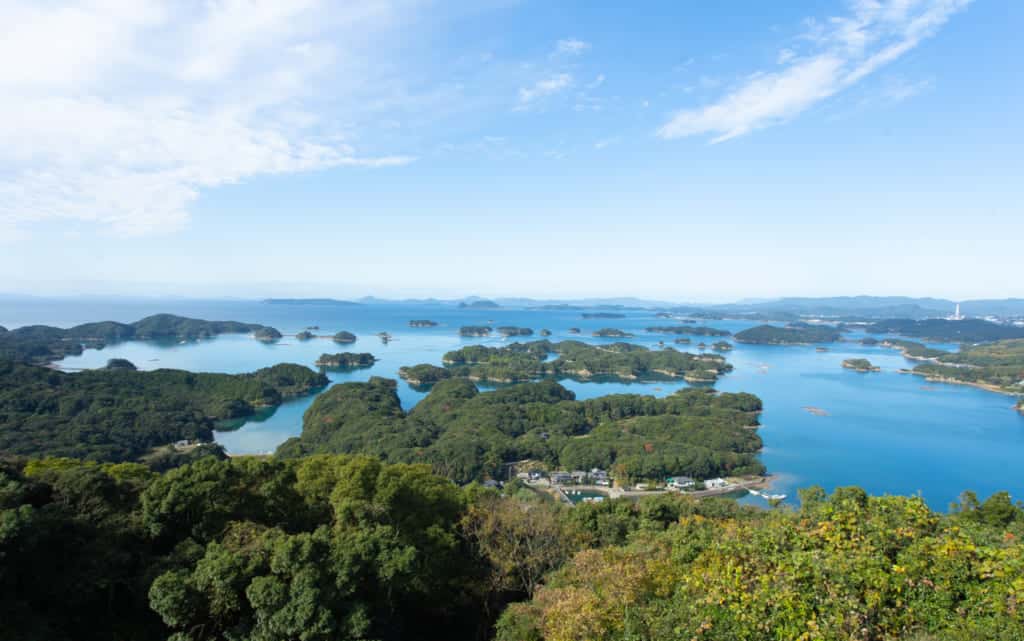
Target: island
[545,332]
[41,344]
[267,334]
[344,337]
[475,330]
[602,315]
[422,323]
[515,331]
[693,431]
[521,362]
[121,364]
[682,341]
[609,332]
[802,334]
[860,365]
[121,414]
[345,360]
[305,335]
[479,304]
[574,330]
[684,329]
[721,346]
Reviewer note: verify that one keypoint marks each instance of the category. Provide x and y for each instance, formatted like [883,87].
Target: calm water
[886,432]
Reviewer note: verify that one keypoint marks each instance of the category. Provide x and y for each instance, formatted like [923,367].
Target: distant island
[574,330]
[515,331]
[721,346]
[309,301]
[346,360]
[790,335]
[422,323]
[305,335]
[480,304]
[684,329]
[860,365]
[474,330]
[520,362]
[545,332]
[682,341]
[602,315]
[42,344]
[344,337]
[609,332]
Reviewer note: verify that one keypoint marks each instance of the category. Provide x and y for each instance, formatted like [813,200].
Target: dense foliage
[344,337]
[843,568]
[467,435]
[345,547]
[790,335]
[521,362]
[940,330]
[119,414]
[42,344]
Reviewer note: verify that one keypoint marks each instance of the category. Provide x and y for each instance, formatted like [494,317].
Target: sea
[887,432]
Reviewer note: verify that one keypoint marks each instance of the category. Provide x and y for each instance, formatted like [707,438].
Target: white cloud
[546,87]
[786,55]
[571,46]
[107,121]
[847,49]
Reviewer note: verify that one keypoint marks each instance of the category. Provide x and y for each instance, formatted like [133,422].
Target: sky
[687,151]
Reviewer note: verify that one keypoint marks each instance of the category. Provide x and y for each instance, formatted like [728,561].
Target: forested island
[43,344]
[685,329]
[422,323]
[305,335]
[118,414]
[940,330]
[609,332]
[860,365]
[721,346]
[802,334]
[465,434]
[266,334]
[346,360]
[480,304]
[475,330]
[520,362]
[515,331]
[344,337]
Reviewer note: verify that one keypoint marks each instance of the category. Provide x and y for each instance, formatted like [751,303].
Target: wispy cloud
[571,46]
[845,50]
[546,87]
[104,121]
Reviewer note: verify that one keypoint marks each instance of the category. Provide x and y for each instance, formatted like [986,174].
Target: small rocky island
[721,346]
[860,365]
[267,334]
[304,335]
[545,332]
[422,323]
[515,331]
[346,360]
[344,337]
[609,332]
[474,330]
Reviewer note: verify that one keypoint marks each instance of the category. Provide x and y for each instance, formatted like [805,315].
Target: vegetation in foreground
[467,435]
[119,414]
[521,362]
[345,547]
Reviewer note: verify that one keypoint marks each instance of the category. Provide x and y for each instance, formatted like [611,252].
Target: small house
[561,478]
[716,483]
[681,482]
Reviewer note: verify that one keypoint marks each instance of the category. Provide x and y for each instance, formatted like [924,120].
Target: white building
[716,483]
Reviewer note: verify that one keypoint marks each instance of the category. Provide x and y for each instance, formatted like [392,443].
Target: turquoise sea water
[886,432]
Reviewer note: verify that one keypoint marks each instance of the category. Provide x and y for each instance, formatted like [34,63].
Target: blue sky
[679,150]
